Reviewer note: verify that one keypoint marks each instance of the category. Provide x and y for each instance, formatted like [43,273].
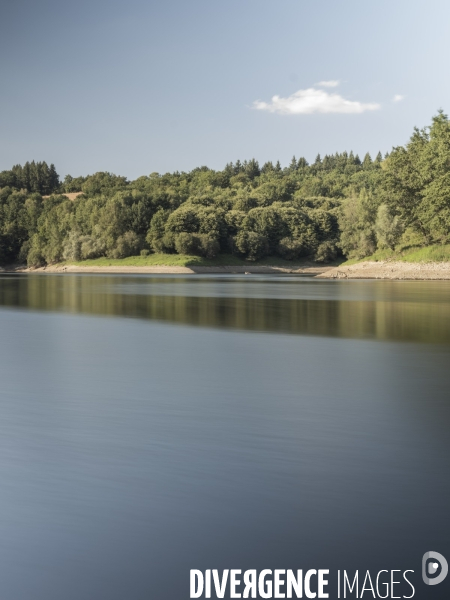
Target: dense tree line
[32,177]
[339,204]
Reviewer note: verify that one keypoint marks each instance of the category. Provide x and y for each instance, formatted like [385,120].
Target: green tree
[417,181]
[388,228]
[357,224]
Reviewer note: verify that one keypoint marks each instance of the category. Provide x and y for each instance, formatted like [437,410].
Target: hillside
[339,207]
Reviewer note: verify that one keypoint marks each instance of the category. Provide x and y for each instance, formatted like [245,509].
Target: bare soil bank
[389,270]
[313,271]
[365,270]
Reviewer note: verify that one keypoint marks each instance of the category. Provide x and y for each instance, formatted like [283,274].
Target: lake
[150,425]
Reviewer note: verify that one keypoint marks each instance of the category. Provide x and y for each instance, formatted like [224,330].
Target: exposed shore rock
[390,270]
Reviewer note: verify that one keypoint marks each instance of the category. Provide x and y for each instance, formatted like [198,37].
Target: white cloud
[312,100]
[398,98]
[331,83]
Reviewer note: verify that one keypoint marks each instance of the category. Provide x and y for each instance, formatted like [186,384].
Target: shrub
[145,252]
[187,243]
[200,244]
[326,252]
[127,244]
[290,248]
[82,247]
[269,222]
[164,244]
[252,245]
[91,247]
[209,245]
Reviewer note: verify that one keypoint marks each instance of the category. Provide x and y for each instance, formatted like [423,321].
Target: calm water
[150,425]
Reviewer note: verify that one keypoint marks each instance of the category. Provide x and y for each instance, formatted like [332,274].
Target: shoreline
[167,270]
[382,270]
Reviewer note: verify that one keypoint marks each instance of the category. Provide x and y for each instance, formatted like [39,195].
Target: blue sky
[141,86]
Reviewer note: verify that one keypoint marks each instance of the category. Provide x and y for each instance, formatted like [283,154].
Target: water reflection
[402,311]
[131,452]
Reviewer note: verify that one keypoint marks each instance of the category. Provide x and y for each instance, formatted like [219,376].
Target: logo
[433,564]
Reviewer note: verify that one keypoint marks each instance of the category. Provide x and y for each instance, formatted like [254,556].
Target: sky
[141,86]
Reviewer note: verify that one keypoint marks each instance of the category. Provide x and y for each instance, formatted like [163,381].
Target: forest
[338,206]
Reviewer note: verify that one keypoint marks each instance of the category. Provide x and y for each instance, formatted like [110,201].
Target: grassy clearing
[437,253]
[429,254]
[152,260]
[183,260]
